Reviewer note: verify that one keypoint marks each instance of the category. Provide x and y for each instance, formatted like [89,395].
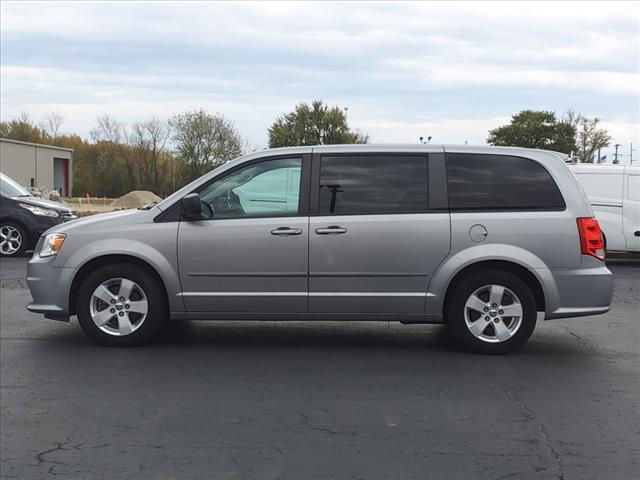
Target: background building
[35,165]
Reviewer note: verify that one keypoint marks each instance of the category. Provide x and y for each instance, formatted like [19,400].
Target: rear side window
[500,182]
[370,184]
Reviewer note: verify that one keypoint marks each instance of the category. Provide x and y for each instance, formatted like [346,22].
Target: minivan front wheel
[121,305]
[491,312]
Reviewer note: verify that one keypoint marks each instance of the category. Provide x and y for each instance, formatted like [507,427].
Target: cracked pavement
[322,400]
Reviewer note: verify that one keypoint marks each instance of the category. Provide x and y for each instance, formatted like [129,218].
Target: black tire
[455,311]
[24,239]
[156,303]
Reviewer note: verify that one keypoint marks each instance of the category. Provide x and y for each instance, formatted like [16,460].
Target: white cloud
[466,75]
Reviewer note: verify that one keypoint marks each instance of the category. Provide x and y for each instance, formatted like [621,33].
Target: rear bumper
[49,287]
[579,292]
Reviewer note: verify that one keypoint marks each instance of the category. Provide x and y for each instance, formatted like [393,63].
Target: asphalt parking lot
[319,400]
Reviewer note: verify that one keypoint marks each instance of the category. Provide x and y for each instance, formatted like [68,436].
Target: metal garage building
[35,165]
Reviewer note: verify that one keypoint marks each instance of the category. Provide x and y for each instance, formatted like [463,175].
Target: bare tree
[590,138]
[147,142]
[108,130]
[572,118]
[51,124]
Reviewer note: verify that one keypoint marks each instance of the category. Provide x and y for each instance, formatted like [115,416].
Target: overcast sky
[452,71]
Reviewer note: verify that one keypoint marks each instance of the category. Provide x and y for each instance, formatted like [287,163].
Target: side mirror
[192,206]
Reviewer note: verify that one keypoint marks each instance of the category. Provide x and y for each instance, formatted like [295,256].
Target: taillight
[591,241]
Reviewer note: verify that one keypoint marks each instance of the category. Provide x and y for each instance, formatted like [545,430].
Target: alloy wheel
[493,313]
[10,239]
[118,306]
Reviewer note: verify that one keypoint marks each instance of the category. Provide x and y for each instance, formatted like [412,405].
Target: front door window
[266,189]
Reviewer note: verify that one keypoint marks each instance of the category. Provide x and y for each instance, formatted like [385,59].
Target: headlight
[52,244]
[41,211]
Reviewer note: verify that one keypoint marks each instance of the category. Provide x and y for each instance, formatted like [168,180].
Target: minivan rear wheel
[491,311]
[121,305]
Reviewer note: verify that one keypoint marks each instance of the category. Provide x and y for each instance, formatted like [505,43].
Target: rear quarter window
[500,182]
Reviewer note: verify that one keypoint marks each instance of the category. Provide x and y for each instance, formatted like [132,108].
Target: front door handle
[286,231]
[332,230]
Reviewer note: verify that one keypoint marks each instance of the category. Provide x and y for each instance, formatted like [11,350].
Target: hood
[41,202]
[100,221]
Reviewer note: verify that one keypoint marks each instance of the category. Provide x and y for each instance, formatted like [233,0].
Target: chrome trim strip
[246,274]
[366,274]
[242,294]
[304,274]
[367,294]
[300,294]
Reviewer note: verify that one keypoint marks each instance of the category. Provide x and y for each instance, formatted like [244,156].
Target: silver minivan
[487,240]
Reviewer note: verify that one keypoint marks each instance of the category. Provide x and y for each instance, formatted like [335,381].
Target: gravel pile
[135,199]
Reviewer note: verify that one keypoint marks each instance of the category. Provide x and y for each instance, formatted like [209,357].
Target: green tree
[536,129]
[22,129]
[314,124]
[204,141]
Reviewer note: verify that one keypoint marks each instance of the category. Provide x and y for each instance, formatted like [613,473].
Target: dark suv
[23,217]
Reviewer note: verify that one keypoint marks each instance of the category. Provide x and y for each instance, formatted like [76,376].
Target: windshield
[11,188]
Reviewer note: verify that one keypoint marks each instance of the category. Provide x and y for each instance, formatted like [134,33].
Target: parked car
[614,194]
[23,217]
[486,240]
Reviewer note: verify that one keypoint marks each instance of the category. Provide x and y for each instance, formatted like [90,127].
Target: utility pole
[615,155]
[631,153]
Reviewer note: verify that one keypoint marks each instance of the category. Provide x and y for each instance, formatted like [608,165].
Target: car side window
[269,188]
[373,184]
[479,182]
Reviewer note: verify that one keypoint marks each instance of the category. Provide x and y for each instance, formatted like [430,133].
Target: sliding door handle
[332,230]
[286,231]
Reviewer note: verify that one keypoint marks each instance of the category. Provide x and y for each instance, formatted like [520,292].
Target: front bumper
[587,290]
[49,286]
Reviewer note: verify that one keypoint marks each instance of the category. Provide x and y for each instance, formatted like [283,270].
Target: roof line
[31,144]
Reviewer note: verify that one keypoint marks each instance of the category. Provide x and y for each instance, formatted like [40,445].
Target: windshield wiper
[148,206]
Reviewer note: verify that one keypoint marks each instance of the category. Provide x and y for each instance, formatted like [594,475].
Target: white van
[614,194]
